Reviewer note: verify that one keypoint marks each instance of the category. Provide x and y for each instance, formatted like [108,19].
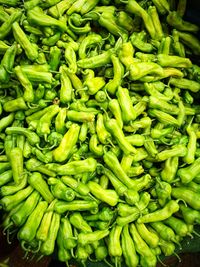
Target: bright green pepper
[114,244]
[116,131]
[106,195]
[43,127]
[128,248]
[161,214]
[28,206]
[88,41]
[147,256]
[9,202]
[22,39]
[48,245]
[15,105]
[75,205]
[28,89]
[36,181]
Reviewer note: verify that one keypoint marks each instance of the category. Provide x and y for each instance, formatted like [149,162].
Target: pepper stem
[161,262]
[108,263]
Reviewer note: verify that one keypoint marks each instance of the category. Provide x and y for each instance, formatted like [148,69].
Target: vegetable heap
[99,128]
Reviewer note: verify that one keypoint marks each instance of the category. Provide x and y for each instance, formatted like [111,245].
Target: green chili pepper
[9,202]
[42,232]
[24,42]
[32,137]
[28,231]
[162,5]
[15,105]
[88,5]
[37,182]
[7,62]
[112,162]
[69,242]
[173,61]
[28,206]
[7,25]
[101,252]
[61,191]
[131,196]
[109,21]
[116,131]
[118,70]
[125,20]
[135,8]
[59,8]
[6,177]
[190,41]
[28,93]
[78,221]
[13,188]
[76,7]
[66,89]
[60,121]
[189,196]
[94,147]
[164,231]
[81,254]
[126,162]
[36,73]
[6,121]
[190,215]
[95,61]
[75,205]
[188,173]
[88,238]
[162,214]
[106,195]
[88,41]
[163,191]
[156,22]
[114,244]
[75,185]
[163,117]
[43,127]
[147,256]
[128,112]
[175,20]
[167,247]
[150,238]
[61,153]
[63,254]
[141,69]
[47,247]
[126,54]
[114,107]
[38,17]
[128,248]
[119,187]
[138,40]
[179,226]
[75,24]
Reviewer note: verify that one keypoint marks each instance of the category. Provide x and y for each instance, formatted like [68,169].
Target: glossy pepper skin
[36,181]
[170,208]
[106,195]
[62,152]
[74,167]
[47,247]
[28,231]
[26,209]
[128,248]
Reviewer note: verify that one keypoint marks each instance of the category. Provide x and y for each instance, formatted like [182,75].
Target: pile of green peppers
[99,128]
